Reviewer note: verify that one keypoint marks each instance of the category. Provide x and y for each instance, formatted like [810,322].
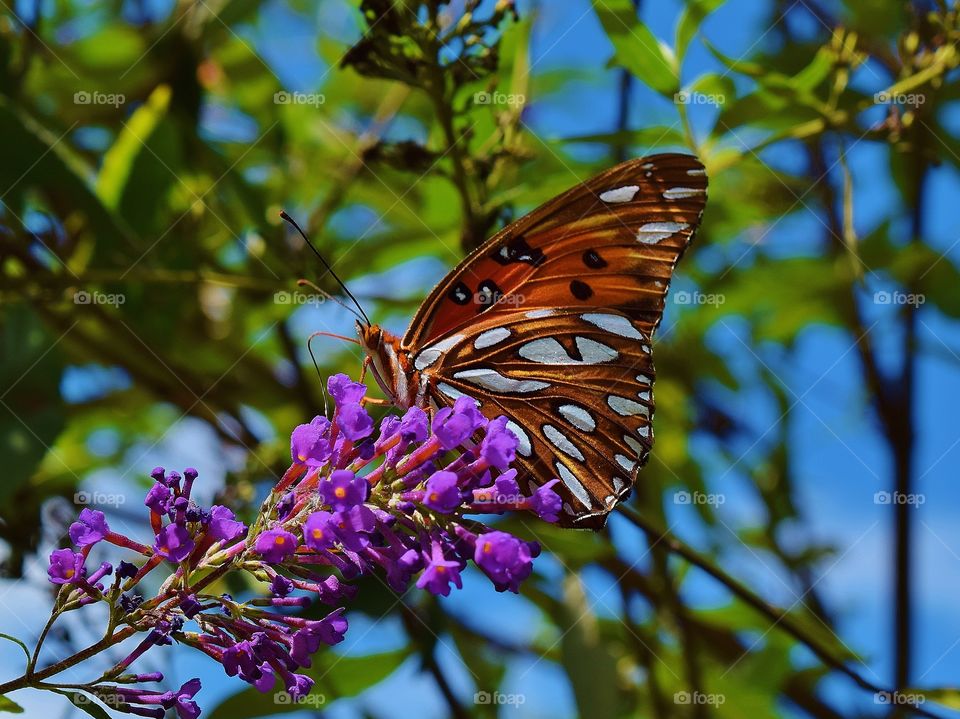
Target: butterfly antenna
[326,295]
[287,218]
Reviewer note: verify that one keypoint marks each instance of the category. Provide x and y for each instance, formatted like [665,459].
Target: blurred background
[808,364]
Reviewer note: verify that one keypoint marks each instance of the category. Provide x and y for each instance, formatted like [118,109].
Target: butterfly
[550,322]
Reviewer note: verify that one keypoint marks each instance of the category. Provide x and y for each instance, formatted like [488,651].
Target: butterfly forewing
[550,323]
[609,242]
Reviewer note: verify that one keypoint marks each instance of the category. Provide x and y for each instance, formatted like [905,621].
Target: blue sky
[840,459]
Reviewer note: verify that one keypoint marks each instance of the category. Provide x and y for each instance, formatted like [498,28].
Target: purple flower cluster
[354,502]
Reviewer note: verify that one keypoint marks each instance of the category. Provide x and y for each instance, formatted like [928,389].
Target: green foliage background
[139,199]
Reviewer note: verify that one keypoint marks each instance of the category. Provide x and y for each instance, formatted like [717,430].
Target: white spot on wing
[626,407]
[699,172]
[573,484]
[620,194]
[539,314]
[645,379]
[653,232]
[680,193]
[431,354]
[547,350]
[491,337]
[452,392]
[617,484]
[628,464]
[578,417]
[524,447]
[559,440]
[493,380]
[644,431]
[617,324]
[638,448]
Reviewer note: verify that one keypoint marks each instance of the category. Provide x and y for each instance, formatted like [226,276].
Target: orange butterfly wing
[550,322]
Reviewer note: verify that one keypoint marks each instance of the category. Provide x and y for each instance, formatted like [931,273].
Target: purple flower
[309,443]
[353,526]
[190,606]
[298,685]
[439,572]
[505,559]
[499,446]
[182,700]
[126,570]
[318,533]
[90,528]
[267,679]
[239,659]
[275,545]
[455,425]
[174,543]
[546,503]
[442,493]
[158,498]
[506,490]
[223,524]
[414,425]
[343,490]
[280,586]
[66,566]
[344,390]
[307,640]
[354,421]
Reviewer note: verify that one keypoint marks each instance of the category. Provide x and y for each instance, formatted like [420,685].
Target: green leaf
[8,705]
[691,18]
[335,676]
[947,696]
[86,704]
[589,662]
[17,641]
[636,48]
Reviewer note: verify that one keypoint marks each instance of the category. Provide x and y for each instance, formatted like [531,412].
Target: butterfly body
[550,323]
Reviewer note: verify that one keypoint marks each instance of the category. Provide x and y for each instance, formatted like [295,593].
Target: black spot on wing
[460,293]
[519,250]
[581,290]
[593,260]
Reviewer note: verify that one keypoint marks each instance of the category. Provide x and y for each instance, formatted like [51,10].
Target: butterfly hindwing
[550,322]
[577,387]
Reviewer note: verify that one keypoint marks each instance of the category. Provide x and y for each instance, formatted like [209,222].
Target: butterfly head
[387,362]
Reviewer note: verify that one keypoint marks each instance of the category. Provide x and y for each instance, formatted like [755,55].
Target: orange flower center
[340,493]
[280,539]
[317,533]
